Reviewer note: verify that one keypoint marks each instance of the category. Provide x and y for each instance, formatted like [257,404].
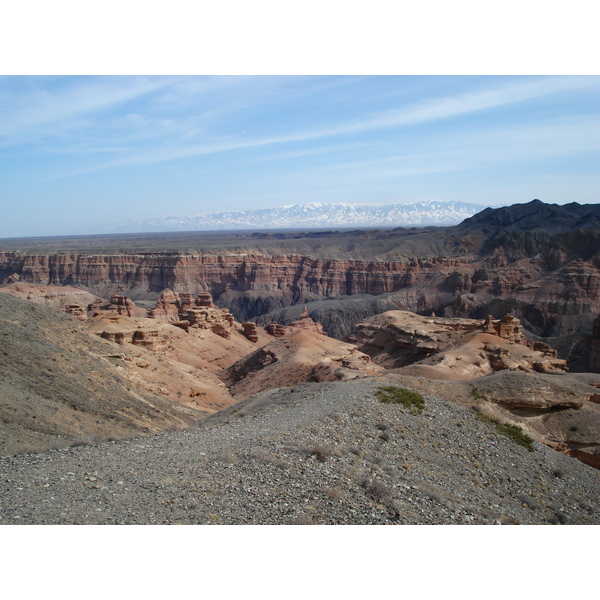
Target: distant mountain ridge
[537,215]
[312,215]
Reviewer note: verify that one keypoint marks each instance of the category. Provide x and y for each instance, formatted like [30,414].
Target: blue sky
[78,153]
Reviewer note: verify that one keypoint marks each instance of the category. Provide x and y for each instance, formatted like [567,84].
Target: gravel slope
[315,453]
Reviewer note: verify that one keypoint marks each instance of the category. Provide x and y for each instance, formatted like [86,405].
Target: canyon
[539,262]
[496,319]
[188,425]
[190,352]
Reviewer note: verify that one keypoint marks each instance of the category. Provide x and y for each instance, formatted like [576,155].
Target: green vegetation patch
[513,432]
[391,394]
[477,394]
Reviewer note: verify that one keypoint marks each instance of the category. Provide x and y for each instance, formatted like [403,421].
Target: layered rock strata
[77,311]
[199,348]
[201,313]
[94,308]
[122,305]
[275,329]
[552,297]
[540,262]
[250,331]
[171,305]
[187,273]
[444,348]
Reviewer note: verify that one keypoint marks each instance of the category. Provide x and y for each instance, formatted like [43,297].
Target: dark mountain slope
[535,215]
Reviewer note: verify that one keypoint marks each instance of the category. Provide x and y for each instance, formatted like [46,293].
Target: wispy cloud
[415,114]
[497,148]
[461,104]
[43,107]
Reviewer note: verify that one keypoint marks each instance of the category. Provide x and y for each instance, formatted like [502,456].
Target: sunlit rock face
[306,323]
[298,356]
[452,348]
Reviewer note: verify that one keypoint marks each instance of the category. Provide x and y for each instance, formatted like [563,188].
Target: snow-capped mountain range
[314,215]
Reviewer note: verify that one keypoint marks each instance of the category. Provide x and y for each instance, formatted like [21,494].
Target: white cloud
[42,108]
[148,140]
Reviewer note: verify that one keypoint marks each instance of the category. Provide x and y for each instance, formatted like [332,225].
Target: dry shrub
[376,490]
[320,452]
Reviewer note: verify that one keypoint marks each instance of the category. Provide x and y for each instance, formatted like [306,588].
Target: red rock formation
[275,330]
[553,294]
[509,328]
[147,338]
[218,320]
[94,307]
[122,305]
[185,325]
[306,323]
[171,306]
[167,306]
[242,271]
[445,348]
[250,331]
[180,310]
[77,311]
[204,299]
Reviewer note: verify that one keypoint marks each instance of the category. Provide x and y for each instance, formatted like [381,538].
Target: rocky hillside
[297,357]
[537,215]
[61,385]
[323,453]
